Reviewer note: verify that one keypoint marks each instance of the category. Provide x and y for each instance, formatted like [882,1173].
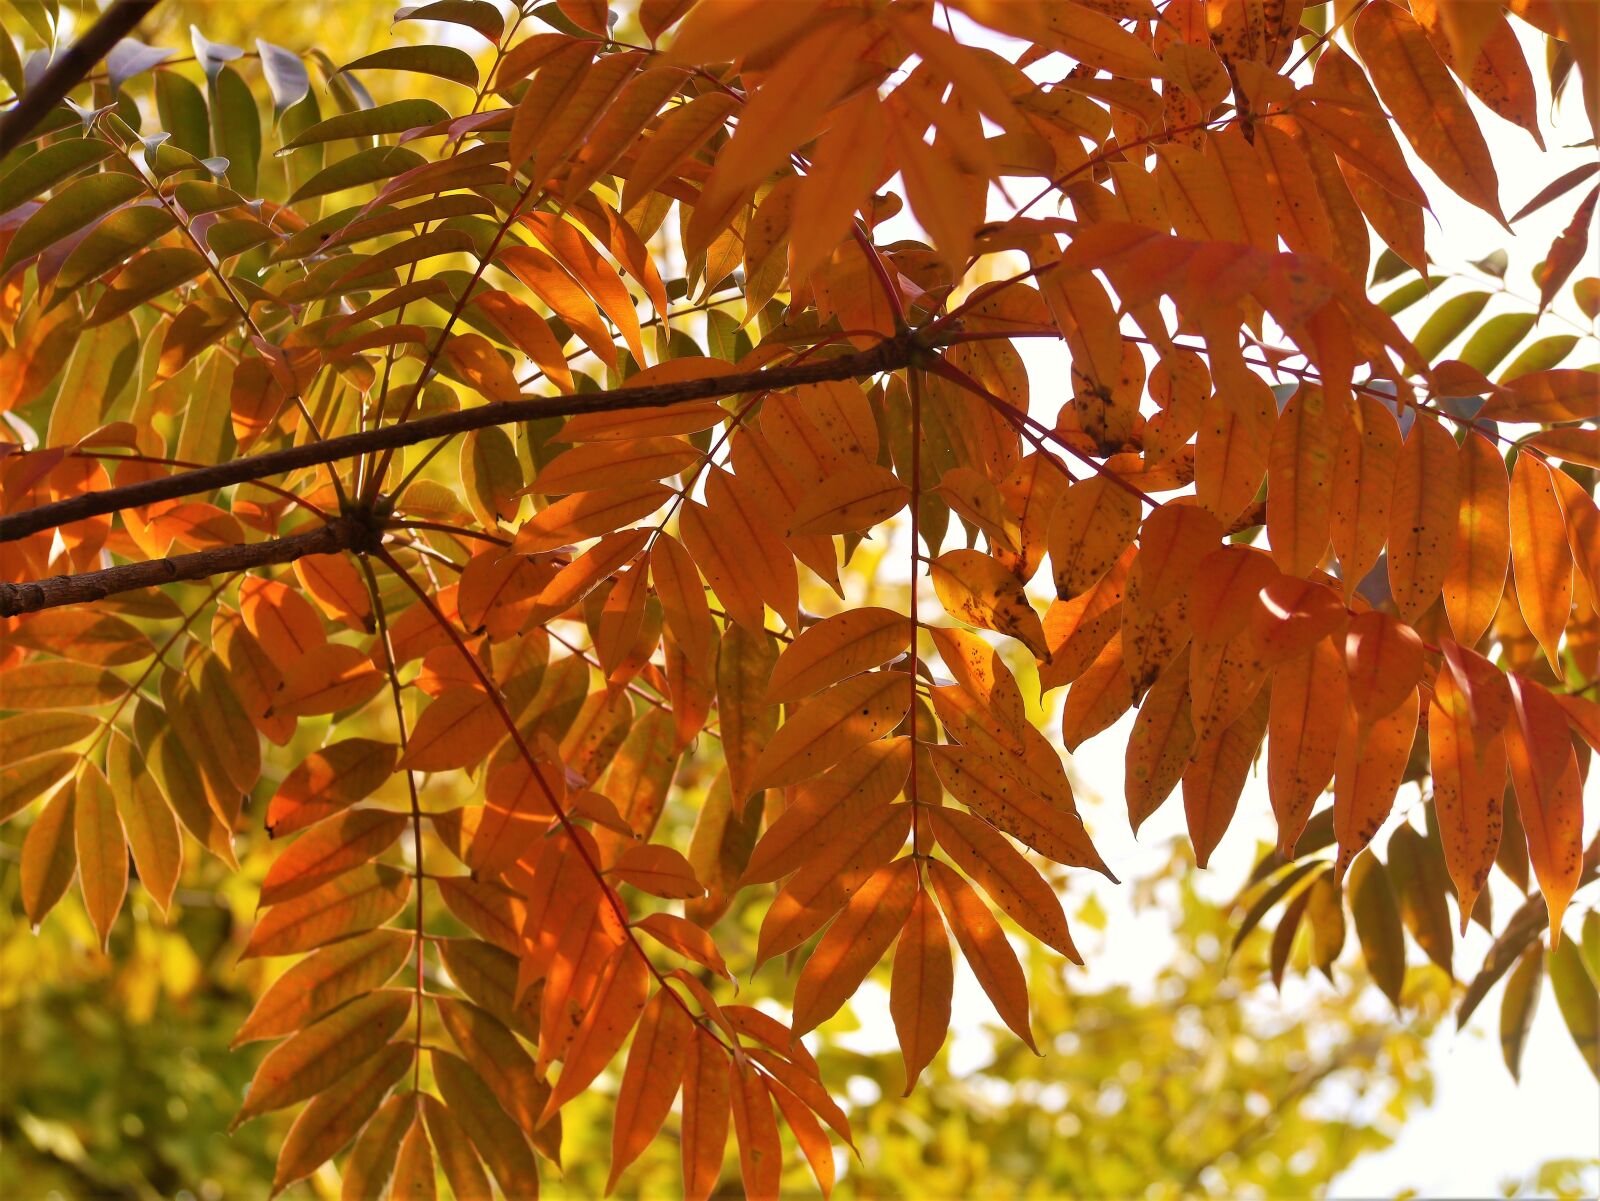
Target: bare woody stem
[888,355]
[68,71]
[339,534]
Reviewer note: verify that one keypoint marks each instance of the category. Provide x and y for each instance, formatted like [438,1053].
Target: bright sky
[1483,1130]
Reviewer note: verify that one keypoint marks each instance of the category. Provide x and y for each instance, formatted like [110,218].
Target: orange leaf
[613,1010]
[984,945]
[920,989]
[147,819]
[829,806]
[826,883]
[1544,768]
[660,871]
[1477,576]
[1292,615]
[650,1081]
[587,515]
[413,1178]
[704,1130]
[1422,518]
[609,464]
[321,1054]
[332,678]
[854,944]
[459,728]
[1384,661]
[1367,774]
[836,648]
[324,980]
[1098,697]
[1363,488]
[1300,470]
[1546,397]
[1093,524]
[742,556]
[496,1136]
[1305,720]
[1540,555]
[1215,776]
[328,780]
[686,938]
[808,1134]
[1006,799]
[349,904]
[1232,448]
[102,850]
[1429,108]
[517,810]
[328,850]
[474,358]
[1010,880]
[1158,749]
[49,855]
[831,725]
[1469,781]
[760,1154]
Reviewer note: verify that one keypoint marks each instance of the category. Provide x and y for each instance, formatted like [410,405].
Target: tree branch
[340,534]
[68,71]
[885,356]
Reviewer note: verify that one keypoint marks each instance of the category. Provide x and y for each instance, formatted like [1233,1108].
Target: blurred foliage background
[119,1081]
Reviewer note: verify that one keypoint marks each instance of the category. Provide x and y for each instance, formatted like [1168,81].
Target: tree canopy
[560,513]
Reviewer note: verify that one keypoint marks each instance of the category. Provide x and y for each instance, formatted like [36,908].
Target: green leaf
[477,15]
[1541,356]
[1448,323]
[228,238]
[1389,266]
[41,171]
[1494,339]
[79,204]
[236,128]
[368,166]
[1578,1001]
[1377,919]
[151,274]
[1494,263]
[445,62]
[182,109]
[1589,946]
[1420,879]
[1518,1005]
[113,242]
[1525,925]
[310,159]
[1408,294]
[371,122]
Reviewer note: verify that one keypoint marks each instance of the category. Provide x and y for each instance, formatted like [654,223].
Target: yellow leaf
[858,499]
[831,725]
[1416,87]
[976,589]
[836,648]
[1093,524]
